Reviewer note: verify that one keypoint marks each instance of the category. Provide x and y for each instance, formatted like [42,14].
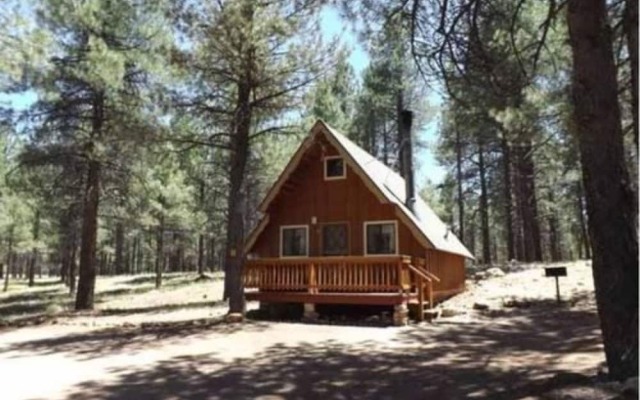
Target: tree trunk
[554,238]
[9,254]
[119,238]
[243,116]
[160,253]
[459,187]
[34,251]
[72,264]
[508,198]
[584,233]
[484,207]
[87,276]
[611,203]
[630,25]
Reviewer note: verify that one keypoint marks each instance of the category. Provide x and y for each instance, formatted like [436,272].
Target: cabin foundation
[400,314]
[310,312]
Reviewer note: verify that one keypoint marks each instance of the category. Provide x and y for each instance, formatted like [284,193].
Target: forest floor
[143,343]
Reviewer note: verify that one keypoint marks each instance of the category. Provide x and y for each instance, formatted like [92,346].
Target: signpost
[556,272]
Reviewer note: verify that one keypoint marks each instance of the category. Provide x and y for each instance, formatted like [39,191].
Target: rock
[480,275]
[631,386]
[449,312]
[494,272]
[373,318]
[480,306]
[234,318]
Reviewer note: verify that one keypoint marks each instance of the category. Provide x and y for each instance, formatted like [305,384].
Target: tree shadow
[452,362]
[126,339]
[160,308]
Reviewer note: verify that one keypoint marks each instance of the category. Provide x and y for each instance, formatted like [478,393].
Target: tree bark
[584,233]
[554,238]
[34,251]
[9,258]
[87,276]
[611,203]
[459,187]
[119,238]
[630,25]
[508,198]
[160,253]
[484,207]
[72,264]
[239,146]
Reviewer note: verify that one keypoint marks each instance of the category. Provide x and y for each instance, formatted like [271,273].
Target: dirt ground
[171,343]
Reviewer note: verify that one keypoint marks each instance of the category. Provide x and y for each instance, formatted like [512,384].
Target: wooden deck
[387,280]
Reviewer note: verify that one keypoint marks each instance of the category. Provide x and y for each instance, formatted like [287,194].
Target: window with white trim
[334,168]
[381,238]
[294,241]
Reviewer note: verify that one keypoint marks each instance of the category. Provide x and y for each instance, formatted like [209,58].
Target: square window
[294,241]
[335,240]
[380,237]
[334,168]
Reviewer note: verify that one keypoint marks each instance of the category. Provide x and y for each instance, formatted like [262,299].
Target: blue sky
[427,167]
[332,25]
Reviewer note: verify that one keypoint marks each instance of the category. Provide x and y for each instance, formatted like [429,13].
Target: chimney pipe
[406,158]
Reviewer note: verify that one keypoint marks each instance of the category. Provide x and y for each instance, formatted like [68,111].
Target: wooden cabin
[337,230]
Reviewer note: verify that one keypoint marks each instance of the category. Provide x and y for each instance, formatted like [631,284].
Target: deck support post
[310,311]
[400,314]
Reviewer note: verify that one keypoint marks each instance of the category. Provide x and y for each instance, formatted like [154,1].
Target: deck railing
[336,274]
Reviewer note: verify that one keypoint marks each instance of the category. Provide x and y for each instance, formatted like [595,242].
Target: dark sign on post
[556,272]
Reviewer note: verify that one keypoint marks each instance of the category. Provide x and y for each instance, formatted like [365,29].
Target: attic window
[334,168]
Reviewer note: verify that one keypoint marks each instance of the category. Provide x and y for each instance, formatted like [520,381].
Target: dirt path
[508,353]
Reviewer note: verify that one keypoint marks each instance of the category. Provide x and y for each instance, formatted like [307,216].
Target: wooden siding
[448,267]
[306,194]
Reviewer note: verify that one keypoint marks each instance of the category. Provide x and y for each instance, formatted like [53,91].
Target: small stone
[494,272]
[234,318]
[480,306]
[480,275]
[449,312]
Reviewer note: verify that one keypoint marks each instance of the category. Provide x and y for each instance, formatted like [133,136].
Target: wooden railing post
[430,294]
[313,282]
[420,299]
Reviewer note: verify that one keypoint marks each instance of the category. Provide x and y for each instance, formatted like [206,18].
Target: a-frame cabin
[337,230]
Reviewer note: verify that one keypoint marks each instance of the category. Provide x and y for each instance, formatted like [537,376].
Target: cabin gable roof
[387,185]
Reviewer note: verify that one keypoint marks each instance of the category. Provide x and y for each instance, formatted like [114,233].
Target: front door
[335,239]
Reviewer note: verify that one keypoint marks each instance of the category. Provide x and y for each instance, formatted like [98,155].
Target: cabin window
[381,237]
[294,241]
[335,240]
[334,168]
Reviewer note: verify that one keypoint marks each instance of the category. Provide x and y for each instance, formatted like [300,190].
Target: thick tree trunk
[160,253]
[508,199]
[460,199]
[119,239]
[87,276]
[630,24]
[611,203]
[243,116]
[484,207]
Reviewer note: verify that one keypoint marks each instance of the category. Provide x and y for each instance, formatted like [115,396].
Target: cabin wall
[308,195]
[450,268]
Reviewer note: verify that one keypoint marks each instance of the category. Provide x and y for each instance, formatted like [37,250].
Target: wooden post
[420,299]
[400,282]
[313,283]
[430,294]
